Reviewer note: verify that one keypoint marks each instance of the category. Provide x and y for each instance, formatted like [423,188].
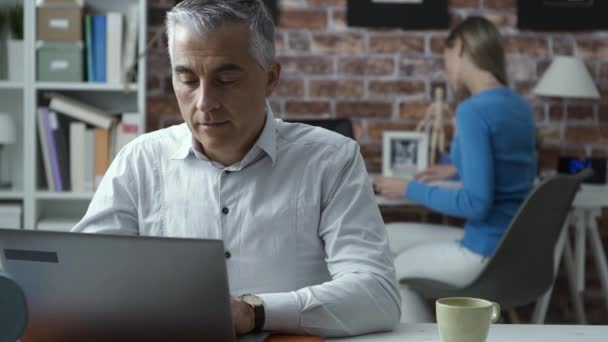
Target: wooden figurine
[433,125]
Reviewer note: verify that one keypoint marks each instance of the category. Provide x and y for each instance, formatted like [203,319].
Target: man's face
[220,87]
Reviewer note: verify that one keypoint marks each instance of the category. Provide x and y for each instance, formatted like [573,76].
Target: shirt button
[225,210]
[227,255]
[228,172]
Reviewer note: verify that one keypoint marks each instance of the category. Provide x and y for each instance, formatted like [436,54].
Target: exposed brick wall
[382,80]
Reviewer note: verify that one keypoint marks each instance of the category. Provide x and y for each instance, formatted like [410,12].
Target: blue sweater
[494,154]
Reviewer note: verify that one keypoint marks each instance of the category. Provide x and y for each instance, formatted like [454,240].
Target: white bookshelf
[22,99]
[11,196]
[64,196]
[11,85]
[75,86]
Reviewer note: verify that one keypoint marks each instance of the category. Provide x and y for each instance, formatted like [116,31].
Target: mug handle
[495,312]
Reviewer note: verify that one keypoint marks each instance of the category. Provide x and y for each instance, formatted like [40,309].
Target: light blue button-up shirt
[297,215]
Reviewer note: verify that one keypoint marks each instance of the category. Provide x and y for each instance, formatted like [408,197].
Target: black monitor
[343,126]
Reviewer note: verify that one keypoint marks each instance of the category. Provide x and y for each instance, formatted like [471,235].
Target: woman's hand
[436,173]
[391,187]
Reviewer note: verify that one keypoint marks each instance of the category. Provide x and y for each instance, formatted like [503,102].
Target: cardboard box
[59,23]
[60,62]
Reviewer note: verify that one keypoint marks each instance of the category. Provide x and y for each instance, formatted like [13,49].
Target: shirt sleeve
[113,209]
[362,296]
[474,200]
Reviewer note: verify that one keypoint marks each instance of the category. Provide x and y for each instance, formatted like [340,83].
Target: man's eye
[189,81]
[225,82]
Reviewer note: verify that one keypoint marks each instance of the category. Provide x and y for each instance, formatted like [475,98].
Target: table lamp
[567,77]
[7,137]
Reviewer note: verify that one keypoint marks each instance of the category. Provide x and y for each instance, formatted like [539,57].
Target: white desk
[498,333]
[587,208]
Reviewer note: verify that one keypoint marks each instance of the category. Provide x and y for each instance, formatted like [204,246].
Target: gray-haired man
[304,238]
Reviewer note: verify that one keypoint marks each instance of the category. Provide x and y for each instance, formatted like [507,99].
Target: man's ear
[274,74]
[459,47]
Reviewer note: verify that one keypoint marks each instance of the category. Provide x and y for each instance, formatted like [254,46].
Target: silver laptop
[84,287]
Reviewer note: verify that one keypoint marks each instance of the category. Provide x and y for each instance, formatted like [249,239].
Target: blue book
[88,33]
[99,48]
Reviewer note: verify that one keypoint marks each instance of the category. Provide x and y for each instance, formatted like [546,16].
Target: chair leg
[600,255]
[580,250]
[514,317]
[541,307]
[577,301]
[542,304]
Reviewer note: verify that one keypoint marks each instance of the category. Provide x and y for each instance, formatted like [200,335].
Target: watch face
[253,300]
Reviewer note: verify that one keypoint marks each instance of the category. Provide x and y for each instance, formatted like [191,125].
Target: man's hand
[436,173]
[391,187]
[243,317]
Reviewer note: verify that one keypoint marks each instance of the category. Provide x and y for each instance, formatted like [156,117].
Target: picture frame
[404,14]
[562,15]
[404,153]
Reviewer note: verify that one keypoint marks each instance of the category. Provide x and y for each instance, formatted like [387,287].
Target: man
[292,203]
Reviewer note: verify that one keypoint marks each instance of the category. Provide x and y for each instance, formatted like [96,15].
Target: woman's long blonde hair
[482,42]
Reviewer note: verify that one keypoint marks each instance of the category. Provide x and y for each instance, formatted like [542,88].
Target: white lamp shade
[567,77]
[7,129]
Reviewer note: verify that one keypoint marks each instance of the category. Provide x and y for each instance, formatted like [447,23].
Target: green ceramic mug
[465,319]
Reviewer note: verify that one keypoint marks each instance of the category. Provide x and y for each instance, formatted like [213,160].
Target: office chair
[522,268]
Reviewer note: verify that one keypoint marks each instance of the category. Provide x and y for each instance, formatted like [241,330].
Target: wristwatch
[257,304]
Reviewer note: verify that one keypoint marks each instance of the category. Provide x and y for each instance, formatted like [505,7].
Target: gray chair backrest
[522,267]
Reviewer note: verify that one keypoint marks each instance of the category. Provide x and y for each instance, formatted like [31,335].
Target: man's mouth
[213,124]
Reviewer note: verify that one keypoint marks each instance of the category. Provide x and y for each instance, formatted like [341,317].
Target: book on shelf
[78,155]
[89,179]
[126,131]
[102,153]
[114,56]
[99,48]
[88,42]
[51,146]
[61,224]
[10,216]
[45,148]
[61,135]
[81,111]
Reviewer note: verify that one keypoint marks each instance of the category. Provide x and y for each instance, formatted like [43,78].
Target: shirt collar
[267,141]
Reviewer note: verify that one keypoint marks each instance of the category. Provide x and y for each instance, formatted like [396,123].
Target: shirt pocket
[190,207]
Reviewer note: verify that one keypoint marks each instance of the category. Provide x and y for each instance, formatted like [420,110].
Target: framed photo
[561,15]
[404,153]
[405,14]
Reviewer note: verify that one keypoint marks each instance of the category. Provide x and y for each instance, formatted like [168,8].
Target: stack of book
[108,55]
[10,216]
[78,141]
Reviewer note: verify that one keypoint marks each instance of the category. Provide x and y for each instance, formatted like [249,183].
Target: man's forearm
[352,304]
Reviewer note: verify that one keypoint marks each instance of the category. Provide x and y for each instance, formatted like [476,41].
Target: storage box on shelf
[60,62]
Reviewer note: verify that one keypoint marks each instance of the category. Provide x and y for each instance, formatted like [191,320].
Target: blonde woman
[493,153]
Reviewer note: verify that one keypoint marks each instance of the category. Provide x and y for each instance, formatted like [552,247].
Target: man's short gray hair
[207,15]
